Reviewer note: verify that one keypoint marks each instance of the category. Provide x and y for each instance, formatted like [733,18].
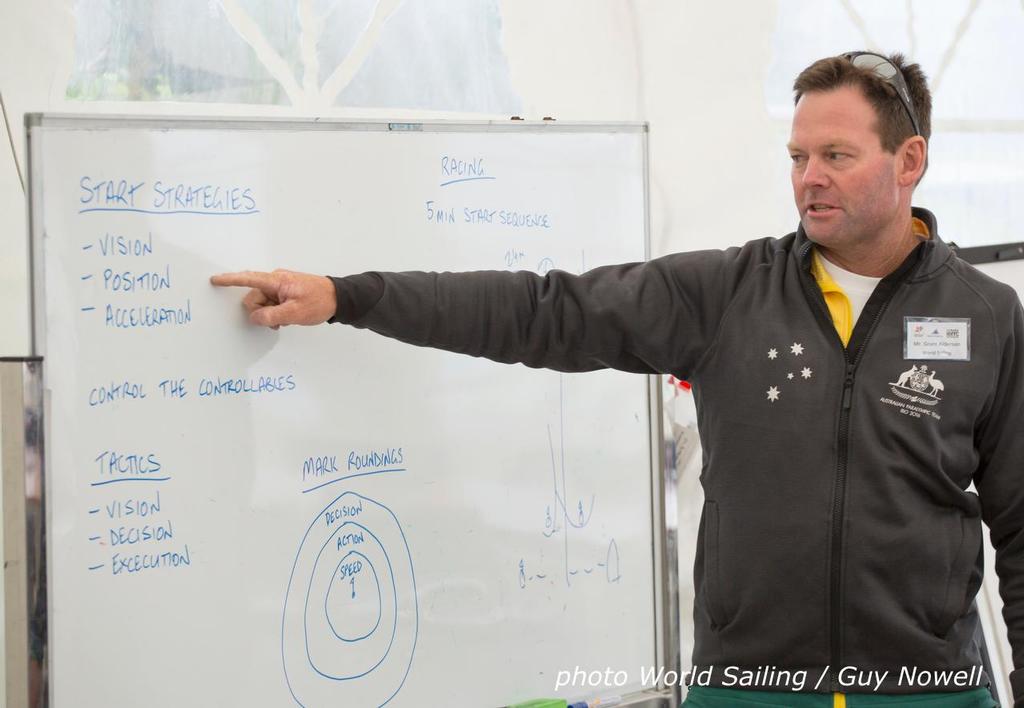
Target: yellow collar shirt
[840,307]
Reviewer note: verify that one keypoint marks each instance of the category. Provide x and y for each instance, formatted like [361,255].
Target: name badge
[946,338]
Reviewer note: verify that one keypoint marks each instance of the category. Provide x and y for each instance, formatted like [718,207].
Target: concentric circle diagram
[350,621]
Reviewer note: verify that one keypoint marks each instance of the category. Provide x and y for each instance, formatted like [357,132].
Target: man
[852,379]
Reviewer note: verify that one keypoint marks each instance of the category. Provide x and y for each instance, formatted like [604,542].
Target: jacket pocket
[964,578]
[712,583]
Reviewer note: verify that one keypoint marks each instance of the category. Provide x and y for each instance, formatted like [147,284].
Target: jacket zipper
[838,506]
[839,500]
[842,450]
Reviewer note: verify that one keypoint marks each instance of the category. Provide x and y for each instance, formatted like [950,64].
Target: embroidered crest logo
[918,385]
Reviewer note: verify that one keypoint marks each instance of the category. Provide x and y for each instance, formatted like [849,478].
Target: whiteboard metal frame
[665,593]
[995,253]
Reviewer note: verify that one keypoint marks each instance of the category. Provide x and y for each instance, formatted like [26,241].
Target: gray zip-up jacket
[838,529]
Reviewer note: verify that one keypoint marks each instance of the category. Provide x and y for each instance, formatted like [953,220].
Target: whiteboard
[323,516]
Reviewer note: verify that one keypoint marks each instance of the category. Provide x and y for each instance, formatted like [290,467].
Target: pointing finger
[266,282]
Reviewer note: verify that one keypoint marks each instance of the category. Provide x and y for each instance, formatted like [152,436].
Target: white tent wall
[712,79]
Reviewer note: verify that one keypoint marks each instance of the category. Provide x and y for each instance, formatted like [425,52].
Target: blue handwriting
[121,391]
[148,316]
[234,386]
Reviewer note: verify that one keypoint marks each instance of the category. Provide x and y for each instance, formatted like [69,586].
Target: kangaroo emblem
[905,376]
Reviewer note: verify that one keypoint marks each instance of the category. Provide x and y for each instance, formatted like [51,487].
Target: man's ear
[910,160]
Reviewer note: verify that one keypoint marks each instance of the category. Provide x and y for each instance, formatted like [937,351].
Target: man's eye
[796,158]
[836,155]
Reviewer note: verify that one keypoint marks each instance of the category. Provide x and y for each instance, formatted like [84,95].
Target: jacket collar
[930,254]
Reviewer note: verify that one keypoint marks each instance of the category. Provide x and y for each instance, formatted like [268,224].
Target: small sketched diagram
[350,620]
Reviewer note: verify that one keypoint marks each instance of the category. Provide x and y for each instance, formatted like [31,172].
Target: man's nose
[815,173]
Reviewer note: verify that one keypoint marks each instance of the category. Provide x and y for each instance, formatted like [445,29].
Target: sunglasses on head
[888,72]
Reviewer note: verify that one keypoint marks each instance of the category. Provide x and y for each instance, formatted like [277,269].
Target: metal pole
[21,446]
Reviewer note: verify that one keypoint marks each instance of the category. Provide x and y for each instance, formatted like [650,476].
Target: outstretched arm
[651,317]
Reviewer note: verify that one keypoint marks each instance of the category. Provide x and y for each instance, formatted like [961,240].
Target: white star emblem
[797,349]
[790,376]
[806,373]
[773,394]
[773,353]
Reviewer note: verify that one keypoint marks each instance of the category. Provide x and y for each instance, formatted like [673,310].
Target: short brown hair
[894,124]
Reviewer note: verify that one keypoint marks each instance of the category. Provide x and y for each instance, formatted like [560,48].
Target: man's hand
[284,297]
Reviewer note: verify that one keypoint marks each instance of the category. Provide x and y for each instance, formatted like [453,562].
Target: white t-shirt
[858,288]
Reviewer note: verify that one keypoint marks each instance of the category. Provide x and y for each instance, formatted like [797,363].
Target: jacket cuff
[356,295]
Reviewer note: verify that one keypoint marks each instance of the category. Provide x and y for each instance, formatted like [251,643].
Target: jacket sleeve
[651,317]
[1000,484]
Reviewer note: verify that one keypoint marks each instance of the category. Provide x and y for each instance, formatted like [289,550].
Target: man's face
[844,183]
